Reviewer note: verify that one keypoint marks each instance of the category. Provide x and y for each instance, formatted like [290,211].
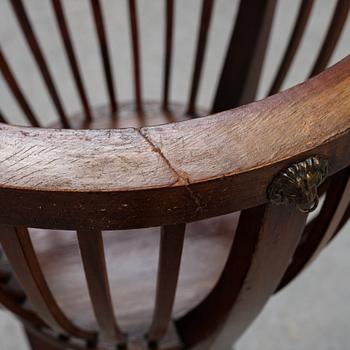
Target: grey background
[314,311]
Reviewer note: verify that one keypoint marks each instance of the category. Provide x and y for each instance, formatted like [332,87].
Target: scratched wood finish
[164,164]
[208,286]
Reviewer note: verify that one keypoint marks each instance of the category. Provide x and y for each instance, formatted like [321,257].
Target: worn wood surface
[195,169]
[18,248]
[132,266]
[133,289]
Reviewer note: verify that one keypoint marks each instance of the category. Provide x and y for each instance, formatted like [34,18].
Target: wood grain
[244,59]
[92,253]
[20,253]
[188,166]
[279,235]
[170,252]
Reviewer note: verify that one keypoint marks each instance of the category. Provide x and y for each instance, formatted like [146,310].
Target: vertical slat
[101,34]
[265,240]
[321,230]
[136,54]
[279,235]
[25,315]
[294,42]
[39,57]
[38,343]
[16,91]
[92,253]
[245,55]
[335,29]
[20,253]
[169,24]
[61,22]
[2,118]
[207,9]
[171,244]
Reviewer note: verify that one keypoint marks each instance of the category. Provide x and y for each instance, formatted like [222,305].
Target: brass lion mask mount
[298,184]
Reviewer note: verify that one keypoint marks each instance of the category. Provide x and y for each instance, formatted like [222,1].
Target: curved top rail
[176,172]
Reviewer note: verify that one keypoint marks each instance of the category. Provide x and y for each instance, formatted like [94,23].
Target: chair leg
[38,343]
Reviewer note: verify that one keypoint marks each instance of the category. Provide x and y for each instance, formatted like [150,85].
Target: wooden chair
[231,191]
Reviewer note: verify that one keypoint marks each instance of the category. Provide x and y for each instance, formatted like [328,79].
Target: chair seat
[127,115]
[132,267]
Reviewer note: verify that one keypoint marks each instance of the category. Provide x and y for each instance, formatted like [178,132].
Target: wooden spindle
[24,314]
[93,257]
[73,63]
[343,221]
[16,91]
[2,118]
[169,29]
[207,9]
[136,54]
[334,31]
[33,43]
[245,55]
[171,244]
[102,39]
[321,230]
[294,42]
[265,240]
[20,253]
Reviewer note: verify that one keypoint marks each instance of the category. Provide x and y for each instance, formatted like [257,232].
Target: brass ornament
[298,184]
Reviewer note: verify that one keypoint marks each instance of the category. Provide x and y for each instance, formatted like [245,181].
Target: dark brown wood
[132,260]
[15,89]
[92,253]
[340,15]
[317,232]
[142,170]
[170,252]
[169,24]
[73,63]
[37,343]
[33,43]
[191,187]
[207,9]
[102,39]
[343,221]
[293,45]
[245,55]
[269,242]
[18,248]
[2,118]
[136,57]
[23,314]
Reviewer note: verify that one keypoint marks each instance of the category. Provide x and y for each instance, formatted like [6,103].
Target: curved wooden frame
[184,171]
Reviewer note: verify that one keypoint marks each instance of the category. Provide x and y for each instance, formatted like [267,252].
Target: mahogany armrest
[172,173]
